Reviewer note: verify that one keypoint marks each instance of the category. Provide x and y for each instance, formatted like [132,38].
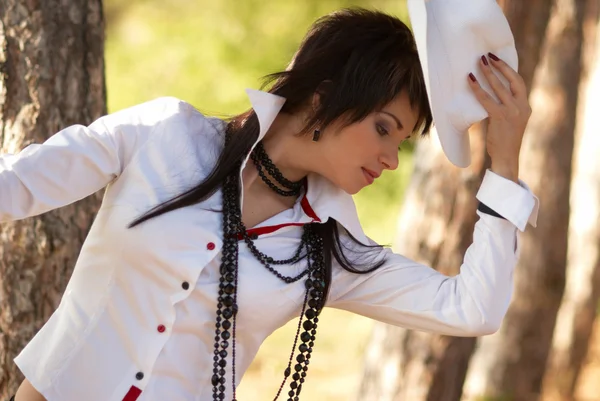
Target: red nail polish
[493,57]
[472,77]
[484,60]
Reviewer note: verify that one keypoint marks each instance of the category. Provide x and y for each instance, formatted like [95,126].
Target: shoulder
[152,113]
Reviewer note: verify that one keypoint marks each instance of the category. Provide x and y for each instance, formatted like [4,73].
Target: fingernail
[493,57]
[472,77]
[484,60]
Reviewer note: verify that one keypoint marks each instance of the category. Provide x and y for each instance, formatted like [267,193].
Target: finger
[501,91]
[488,102]
[517,84]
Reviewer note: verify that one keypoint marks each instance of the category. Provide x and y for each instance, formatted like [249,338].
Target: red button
[210,246]
[161,328]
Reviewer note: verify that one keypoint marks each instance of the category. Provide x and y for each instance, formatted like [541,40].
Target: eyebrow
[398,123]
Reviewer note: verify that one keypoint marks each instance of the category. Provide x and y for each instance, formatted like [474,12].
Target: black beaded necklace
[261,160]
[310,248]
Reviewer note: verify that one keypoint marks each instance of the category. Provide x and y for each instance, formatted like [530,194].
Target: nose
[389,161]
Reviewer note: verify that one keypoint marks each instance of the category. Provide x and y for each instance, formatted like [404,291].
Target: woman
[213,234]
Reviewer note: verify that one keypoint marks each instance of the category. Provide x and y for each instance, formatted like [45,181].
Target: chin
[346,185]
[350,188]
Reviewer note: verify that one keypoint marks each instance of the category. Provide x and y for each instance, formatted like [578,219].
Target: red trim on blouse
[308,210]
[133,394]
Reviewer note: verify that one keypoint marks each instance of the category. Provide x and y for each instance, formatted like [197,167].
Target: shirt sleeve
[405,293]
[77,161]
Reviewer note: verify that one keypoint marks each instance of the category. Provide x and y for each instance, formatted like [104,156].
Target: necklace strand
[227,306]
[263,161]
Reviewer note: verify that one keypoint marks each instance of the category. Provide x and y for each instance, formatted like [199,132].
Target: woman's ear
[316,101]
[320,94]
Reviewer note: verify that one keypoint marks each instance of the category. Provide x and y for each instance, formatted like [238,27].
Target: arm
[77,161]
[473,303]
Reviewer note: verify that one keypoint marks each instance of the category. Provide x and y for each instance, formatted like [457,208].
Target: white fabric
[451,37]
[127,282]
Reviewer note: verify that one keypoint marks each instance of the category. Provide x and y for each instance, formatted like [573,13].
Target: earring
[316,135]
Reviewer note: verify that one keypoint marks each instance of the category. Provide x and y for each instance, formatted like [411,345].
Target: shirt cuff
[515,202]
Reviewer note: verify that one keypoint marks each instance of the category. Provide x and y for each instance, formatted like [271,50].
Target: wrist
[510,172]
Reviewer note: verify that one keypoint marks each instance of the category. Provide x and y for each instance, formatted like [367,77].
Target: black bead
[310,314]
[226,325]
[308,325]
[225,335]
[139,375]
[227,313]
[300,358]
[287,372]
[305,337]
[215,380]
[303,348]
[222,363]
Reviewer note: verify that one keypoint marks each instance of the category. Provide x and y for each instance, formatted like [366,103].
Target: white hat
[451,37]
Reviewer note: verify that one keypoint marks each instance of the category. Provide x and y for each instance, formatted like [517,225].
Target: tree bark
[578,310]
[436,227]
[51,76]
[511,363]
[528,21]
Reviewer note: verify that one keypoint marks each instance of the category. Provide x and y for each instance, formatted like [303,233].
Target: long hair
[358,61]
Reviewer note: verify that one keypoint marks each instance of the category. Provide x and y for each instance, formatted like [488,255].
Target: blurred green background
[207,53]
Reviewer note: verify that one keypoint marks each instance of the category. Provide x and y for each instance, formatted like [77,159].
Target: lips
[370,175]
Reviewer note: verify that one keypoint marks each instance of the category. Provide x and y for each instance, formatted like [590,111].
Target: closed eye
[384,132]
[381,130]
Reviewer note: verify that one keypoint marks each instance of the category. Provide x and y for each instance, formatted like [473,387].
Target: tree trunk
[408,365]
[528,21]
[578,310]
[51,76]
[511,363]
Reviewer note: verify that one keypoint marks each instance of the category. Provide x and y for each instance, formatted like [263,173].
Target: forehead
[401,108]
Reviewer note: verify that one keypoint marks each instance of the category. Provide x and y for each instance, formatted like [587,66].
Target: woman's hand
[507,118]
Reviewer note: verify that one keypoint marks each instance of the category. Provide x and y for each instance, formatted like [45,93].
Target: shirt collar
[324,198]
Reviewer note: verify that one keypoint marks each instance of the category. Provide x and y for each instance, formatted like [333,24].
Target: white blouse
[136,321]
